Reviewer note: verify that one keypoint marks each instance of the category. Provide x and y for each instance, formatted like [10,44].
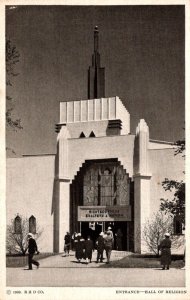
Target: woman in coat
[79,247]
[88,248]
[165,247]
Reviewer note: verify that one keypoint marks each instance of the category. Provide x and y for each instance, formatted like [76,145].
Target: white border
[84,293]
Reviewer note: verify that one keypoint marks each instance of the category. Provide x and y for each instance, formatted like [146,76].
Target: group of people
[84,248]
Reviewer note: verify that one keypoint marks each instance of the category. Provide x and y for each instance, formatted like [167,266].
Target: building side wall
[163,165]
[29,192]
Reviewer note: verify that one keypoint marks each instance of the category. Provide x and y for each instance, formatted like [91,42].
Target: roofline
[161,142]
[46,154]
[72,100]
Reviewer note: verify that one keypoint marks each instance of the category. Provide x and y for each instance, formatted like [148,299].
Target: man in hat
[32,248]
[108,242]
[165,247]
[111,234]
[100,247]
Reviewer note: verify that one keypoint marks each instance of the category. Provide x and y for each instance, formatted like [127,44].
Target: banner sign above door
[104,213]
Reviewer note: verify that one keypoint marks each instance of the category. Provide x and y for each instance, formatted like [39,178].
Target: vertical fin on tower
[96,74]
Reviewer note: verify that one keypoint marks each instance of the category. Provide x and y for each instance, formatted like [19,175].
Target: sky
[141,48]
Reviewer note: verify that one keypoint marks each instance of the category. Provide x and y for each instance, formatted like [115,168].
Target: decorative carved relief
[107,192]
[105,185]
[122,182]
[90,189]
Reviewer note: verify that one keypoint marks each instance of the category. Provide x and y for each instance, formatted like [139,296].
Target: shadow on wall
[55,203]
[136,155]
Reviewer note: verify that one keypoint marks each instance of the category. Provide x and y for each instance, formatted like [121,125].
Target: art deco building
[102,175]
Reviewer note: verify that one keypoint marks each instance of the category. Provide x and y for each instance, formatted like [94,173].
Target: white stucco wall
[93,114]
[30,179]
[29,192]
[99,128]
[123,115]
[121,147]
[163,165]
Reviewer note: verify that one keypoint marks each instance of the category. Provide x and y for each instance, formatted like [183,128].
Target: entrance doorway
[122,232]
[100,193]
[91,229]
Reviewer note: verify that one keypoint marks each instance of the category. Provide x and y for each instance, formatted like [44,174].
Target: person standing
[67,245]
[88,247]
[119,236]
[100,247]
[108,242]
[73,241]
[111,234]
[79,247]
[165,247]
[32,248]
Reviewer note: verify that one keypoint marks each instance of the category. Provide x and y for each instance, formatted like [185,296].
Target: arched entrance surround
[101,195]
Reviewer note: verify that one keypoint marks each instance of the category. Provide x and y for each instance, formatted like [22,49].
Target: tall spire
[96,39]
[96,74]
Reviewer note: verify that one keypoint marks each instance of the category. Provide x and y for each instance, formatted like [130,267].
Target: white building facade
[102,175]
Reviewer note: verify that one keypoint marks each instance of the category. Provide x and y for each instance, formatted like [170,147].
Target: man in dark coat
[88,247]
[32,248]
[119,236]
[100,247]
[73,241]
[165,247]
[67,245]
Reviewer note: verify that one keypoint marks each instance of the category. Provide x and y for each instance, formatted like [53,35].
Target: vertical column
[101,109]
[63,152]
[74,108]
[141,209]
[80,119]
[94,109]
[87,110]
[66,112]
[141,184]
[108,108]
[62,210]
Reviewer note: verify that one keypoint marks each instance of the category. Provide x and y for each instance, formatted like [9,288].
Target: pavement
[61,271]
